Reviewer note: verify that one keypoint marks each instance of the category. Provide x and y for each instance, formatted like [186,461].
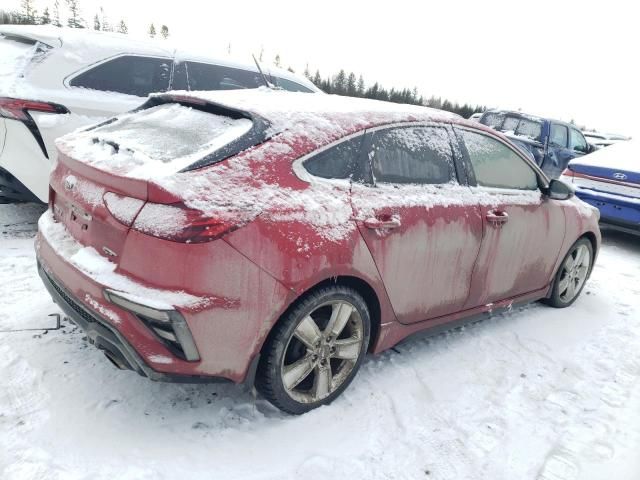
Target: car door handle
[497,217]
[376,224]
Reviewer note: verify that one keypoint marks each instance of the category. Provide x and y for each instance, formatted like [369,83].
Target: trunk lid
[96,207]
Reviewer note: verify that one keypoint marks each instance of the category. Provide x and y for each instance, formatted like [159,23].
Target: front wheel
[315,350]
[572,274]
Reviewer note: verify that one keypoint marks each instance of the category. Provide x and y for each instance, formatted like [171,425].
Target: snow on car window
[157,141]
[14,58]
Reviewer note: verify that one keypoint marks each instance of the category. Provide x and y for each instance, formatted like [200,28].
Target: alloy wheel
[574,273]
[322,351]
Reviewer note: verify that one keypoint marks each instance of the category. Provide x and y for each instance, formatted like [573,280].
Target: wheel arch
[359,285]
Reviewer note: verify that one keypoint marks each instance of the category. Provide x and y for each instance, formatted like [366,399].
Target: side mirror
[558,190]
[591,148]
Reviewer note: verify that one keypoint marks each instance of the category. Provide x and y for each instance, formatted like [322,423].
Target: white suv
[54,80]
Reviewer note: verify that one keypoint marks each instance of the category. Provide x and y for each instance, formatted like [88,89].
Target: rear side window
[129,74]
[291,86]
[496,165]
[558,136]
[205,76]
[412,155]
[338,161]
[577,141]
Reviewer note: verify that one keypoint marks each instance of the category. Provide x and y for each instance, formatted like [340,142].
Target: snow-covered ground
[535,394]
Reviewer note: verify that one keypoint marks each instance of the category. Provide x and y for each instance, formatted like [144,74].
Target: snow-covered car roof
[289,110]
[83,47]
[622,155]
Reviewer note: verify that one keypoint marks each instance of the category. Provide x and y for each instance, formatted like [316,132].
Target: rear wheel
[572,274]
[315,351]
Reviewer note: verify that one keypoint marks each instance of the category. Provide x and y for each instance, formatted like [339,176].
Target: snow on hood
[621,156]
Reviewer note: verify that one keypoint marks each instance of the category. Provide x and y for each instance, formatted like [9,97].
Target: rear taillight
[178,223]
[18,109]
[567,172]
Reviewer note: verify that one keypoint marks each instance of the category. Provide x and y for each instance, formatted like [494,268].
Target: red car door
[422,234]
[523,229]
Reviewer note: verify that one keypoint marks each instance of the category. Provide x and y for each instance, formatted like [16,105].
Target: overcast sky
[566,59]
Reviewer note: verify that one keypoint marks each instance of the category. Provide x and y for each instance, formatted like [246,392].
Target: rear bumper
[108,339]
[616,211]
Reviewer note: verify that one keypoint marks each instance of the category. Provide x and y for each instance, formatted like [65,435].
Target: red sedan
[276,238]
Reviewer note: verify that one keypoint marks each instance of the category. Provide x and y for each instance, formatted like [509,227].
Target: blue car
[609,179]
[550,143]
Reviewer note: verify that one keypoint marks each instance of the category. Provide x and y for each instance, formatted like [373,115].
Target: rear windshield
[157,141]
[16,54]
[521,127]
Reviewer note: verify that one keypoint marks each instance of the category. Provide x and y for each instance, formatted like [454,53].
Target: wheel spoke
[582,272]
[347,349]
[340,314]
[322,383]
[571,261]
[571,290]
[308,332]
[297,372]
[580,255]
[563,285]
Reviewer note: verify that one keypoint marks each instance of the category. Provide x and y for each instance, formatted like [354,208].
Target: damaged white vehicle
[54,80]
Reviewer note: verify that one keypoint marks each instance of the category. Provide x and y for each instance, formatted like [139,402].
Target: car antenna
[264,77]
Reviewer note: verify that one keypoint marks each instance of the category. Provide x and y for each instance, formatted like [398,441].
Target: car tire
[315,350]
[572,275]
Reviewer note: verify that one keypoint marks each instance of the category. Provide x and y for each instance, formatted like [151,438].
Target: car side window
[420,155]
[291,86]
[558,136]
[338,161]
[577,141]
[129,74]
[496,165]
[206,76]
[493,120]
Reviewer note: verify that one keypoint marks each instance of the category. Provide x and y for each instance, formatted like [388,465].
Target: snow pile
[14,59]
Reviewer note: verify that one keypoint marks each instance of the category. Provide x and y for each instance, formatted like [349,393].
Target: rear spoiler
[24,34]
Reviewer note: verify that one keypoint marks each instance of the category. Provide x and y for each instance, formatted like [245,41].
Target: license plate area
[72,216]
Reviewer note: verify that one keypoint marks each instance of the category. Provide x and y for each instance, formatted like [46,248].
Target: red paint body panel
[442,263]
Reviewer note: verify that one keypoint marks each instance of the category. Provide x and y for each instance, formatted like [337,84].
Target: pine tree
[352,88]
[361,86]
[317,79]
[307,73]
[122,27]
[56,13]
[164,31]
[152,30]
[96,23]
[340,83]
[106,26]
[75,20]
[276,61]
[28,11]
[46,17]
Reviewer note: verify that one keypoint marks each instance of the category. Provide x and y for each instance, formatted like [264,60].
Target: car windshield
[513,125]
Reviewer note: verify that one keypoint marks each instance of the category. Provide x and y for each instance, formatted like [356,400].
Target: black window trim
[72,76]
[306,176]
[543,180]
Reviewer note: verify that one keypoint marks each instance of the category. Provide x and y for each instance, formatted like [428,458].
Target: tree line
[342,83]
[68,13]
[349,84]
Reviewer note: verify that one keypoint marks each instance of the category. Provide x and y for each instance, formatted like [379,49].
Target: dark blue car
[550,143]
[609,179]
